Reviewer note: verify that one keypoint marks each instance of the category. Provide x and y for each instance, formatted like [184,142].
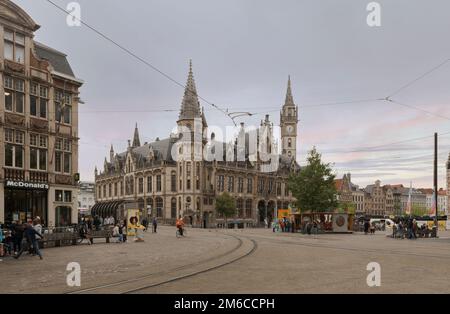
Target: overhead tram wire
[134,55]
[232,115]
[373,148]
[418,78]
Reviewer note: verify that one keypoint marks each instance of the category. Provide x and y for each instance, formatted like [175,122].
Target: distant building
[351,193]
[448,184]
[379,200]
[167,187]
[86,197]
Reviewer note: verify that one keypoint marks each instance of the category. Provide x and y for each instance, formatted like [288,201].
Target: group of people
[17,238]
[283,225]
[410,229]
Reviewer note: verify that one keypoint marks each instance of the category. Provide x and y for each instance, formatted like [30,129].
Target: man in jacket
[30,236]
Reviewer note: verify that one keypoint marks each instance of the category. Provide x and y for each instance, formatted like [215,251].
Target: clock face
[290,129]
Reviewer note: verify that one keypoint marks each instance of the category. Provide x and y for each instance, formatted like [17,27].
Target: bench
[58,239]
[99,234]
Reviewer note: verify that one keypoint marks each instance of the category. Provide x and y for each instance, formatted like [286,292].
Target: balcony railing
[38,177]
[14,174]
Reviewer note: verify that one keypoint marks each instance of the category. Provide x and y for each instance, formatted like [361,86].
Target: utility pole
[436,181]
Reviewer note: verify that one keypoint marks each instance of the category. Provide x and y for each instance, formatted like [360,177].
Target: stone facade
[170,178]
[38,125]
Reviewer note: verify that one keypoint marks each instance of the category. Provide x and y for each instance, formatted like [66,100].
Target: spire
[289,99]
[190,106]
[136,141]
[111,154]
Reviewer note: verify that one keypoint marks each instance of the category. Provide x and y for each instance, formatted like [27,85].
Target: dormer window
[14,46]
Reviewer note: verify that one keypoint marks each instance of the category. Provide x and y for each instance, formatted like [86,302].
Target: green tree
[346,207]
[225,205]
[313,186]
[418,210]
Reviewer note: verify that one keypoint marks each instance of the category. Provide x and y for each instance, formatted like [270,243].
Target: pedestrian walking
[155,224]
[124,233]
[30,240]
[18,229]
[145,224]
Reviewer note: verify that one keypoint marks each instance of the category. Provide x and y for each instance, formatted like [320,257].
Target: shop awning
[104,209]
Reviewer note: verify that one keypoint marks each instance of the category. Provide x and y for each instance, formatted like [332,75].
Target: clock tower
[288,124]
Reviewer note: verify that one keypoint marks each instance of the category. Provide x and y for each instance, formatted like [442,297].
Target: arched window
[289,142]
[173,181]
[173,208]
[159,207]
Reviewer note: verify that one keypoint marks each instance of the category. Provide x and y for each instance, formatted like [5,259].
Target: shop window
[58,195]
[67,196]
[63,216]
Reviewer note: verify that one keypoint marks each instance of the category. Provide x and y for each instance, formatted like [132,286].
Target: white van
[384,224]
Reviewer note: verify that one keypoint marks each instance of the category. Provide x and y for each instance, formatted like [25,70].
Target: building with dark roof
[182,175]
[38,125]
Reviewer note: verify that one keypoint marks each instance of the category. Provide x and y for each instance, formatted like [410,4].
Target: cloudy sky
[242,53]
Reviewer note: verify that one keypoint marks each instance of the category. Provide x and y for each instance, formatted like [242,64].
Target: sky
[242,53]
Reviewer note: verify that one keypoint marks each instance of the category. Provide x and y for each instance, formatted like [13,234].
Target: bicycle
[178,234]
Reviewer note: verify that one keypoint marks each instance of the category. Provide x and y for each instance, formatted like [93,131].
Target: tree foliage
[313,186]
[225,205]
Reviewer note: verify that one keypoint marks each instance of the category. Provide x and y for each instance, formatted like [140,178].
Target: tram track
[135,285]
[342,248]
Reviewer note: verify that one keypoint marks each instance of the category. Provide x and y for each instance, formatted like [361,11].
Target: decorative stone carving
[63,179]
[15,67]
[38,124]
[15,119]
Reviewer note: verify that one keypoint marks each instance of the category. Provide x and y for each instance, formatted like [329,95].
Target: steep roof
[190,106]
[56,58]
[289,101]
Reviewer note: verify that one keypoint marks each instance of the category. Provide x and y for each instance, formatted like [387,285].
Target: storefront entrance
[21,205]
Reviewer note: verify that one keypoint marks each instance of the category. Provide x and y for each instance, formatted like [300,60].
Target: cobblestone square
[237,261]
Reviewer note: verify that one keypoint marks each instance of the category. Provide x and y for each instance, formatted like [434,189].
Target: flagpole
[436,181]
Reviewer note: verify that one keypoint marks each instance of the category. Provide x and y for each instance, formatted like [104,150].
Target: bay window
[38,100]
[14,46]
[38,152]
[14,94]
[63,155]
[14,141]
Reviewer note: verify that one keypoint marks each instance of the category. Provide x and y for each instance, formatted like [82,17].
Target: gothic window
[240,207]
[173,181]
[231,184]
[159,207]
[173,208]
[220,183]
[158,183]
[249,185]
